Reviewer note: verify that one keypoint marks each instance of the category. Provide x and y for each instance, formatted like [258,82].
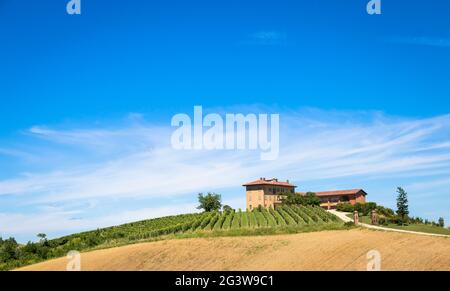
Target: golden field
[326,250]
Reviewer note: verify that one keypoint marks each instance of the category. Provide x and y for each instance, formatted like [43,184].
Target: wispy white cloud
[16,153]
[55,220]
[267,38]
[425,41]
[336,150]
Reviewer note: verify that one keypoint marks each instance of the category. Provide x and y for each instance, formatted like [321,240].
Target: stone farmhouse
[267,193]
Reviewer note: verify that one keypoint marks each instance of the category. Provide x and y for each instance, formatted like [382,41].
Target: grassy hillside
[286,219]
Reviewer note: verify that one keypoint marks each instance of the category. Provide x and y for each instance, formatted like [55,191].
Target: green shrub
[252,219]
[220,221]
[310,213]
[280,220]
[229,218]
[345,207]
[196,223]
[368,207]
[213,221]
[302,214]
[289,220]
[244,219]
[293,214]
[322,214]
[385,211]
[205,222]
[262,222]
[236,223]
[309,198]
[396,220]
[271,221]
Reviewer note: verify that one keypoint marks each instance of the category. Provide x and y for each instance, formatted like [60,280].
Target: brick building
[267,192]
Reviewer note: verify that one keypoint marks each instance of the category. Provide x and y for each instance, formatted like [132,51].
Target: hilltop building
[267,193]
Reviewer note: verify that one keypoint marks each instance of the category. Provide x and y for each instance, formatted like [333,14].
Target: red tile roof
[273,182]
[341,192]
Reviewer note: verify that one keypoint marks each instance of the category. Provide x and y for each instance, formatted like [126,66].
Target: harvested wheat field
[327,250]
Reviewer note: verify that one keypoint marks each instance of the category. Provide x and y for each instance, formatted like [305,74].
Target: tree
[292,199]
[345,207]
[309,198]
[441,222]
[385,211]
[8,250]
[312,199]
[210,202]
[227,208]
[402,203]
[42,237]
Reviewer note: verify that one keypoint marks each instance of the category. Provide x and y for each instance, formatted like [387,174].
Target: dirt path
[345,218]
[330,250]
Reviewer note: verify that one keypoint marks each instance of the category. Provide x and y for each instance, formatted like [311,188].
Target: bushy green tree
[8,250]
[291,199]
[365,208]
[385,211]
[345,207]
[227,208]
[402,204]
[209,202]
[441,222]
[368,207]
[309,198]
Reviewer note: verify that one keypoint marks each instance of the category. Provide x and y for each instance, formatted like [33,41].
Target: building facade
[330,199]
[266,192]
[269,193]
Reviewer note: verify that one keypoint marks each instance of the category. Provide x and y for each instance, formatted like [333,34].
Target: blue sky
[86,103]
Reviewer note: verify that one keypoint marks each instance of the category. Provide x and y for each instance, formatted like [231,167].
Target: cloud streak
[267,38]
[424,41]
